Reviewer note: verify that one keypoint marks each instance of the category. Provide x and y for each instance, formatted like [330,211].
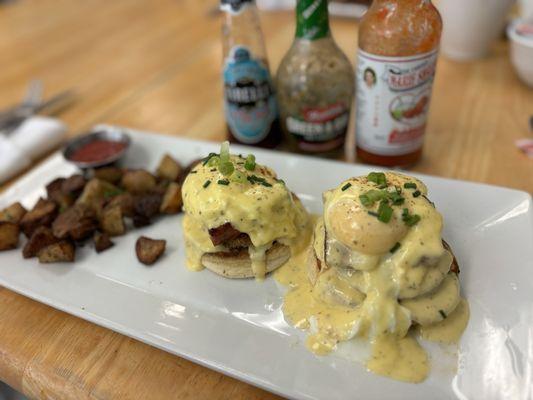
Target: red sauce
[97,150]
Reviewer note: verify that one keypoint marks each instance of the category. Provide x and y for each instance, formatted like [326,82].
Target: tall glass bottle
[398,46]
[315,84]
[249,99]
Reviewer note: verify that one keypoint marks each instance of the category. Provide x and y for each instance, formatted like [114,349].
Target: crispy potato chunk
[63,251]
[77,222]
[125,202]
[73,185]
[42,214]
[140,220]
[96,191]
[147,205]
[149,250]
[13,213]
[55,194]
[172,200]
[138,181]
[112,222]
[9,235]
[168,169]
[109,174]
[102,242]
[40,238]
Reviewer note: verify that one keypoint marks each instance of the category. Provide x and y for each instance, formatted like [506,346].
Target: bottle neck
[312,20]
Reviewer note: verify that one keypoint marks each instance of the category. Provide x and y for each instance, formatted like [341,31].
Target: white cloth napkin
[34,138]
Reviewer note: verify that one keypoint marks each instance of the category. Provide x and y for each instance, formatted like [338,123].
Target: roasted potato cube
[78,222]
[73,185]
[63,251]
[125,202]
[109,174]
[54,187]
[97,190]
[112,222]
[41,237]
[55,194]
[140,220]
[102,242]
[13,213]
[43,214]
[138,181]
[9,235]
[172,201]
[149,250]
[147,205]
[168,169]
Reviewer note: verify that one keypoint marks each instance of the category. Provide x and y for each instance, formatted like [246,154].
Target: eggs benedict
[378,269]
[240,220]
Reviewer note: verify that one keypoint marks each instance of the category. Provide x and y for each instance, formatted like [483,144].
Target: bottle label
[393,95]
[250,104]
[312,19]
[316,125]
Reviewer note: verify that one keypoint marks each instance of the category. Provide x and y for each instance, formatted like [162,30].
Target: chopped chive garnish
[396,198]
[207,183]
[373,213]
[250,162]
[378,178]
[280,181]
[208,158]
[409,185]
[345,187]
[416,193]
[442,314]
[384,211]
[224,152]
[410,219]
[259,180]
[224,182]
[365,200]
[193,172]
[238,176]
[395,247]
[369,198]
[226,168]
[212,169]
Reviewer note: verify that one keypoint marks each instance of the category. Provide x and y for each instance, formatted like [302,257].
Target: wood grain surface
[155,65]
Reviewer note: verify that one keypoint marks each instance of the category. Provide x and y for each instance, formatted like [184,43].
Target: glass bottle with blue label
[249,100]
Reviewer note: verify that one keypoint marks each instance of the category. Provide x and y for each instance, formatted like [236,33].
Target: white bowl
[521,51]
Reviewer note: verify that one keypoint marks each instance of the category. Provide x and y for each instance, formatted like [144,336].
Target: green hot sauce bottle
[315,84]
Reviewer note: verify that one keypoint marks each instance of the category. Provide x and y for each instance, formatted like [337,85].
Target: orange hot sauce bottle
[398,46]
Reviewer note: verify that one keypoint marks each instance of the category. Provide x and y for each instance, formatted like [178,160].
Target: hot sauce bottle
[398,46]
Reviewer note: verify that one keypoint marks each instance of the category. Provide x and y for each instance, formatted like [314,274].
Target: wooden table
[155,65]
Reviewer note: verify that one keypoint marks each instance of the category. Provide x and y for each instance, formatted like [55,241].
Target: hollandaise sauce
[233,191]
[377,269]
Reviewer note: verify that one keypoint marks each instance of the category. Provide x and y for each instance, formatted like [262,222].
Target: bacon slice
[223,234]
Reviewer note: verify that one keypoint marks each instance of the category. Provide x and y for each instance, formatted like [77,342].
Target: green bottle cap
[312,19]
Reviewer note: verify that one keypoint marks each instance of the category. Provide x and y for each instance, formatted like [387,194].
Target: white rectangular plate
[237,327]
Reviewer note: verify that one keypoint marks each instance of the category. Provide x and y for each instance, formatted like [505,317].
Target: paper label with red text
[393,95]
